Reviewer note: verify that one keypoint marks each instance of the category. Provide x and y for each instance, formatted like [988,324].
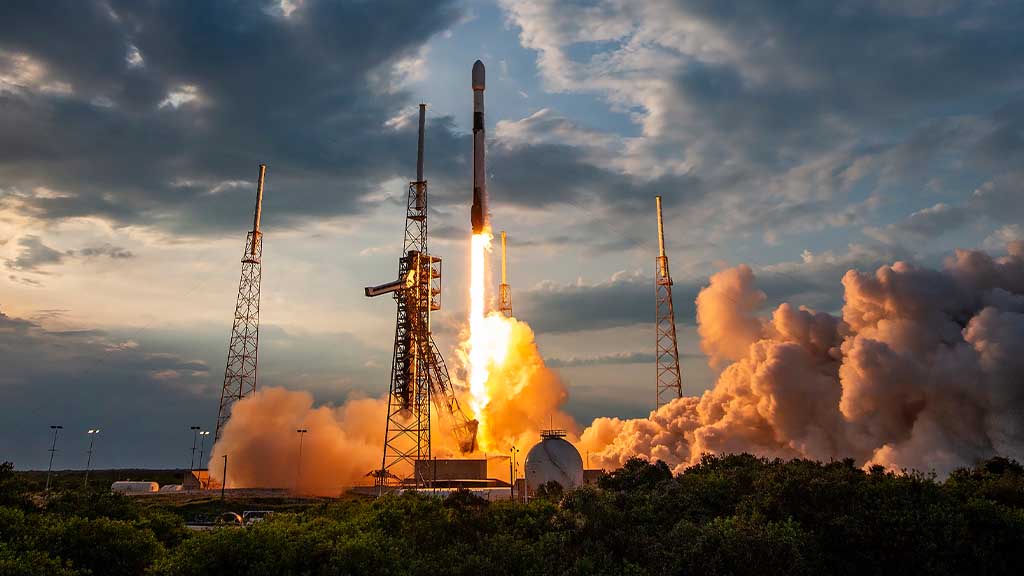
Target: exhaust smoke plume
[346,442]
[260,439]
[924,370]
[523,396]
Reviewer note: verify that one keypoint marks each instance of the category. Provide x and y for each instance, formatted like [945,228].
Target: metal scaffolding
[669,380]
[418,372]
[240,372]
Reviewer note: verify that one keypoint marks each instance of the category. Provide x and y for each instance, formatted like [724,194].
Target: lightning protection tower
[418,372]
[669,380]
[504,292]
[240,372]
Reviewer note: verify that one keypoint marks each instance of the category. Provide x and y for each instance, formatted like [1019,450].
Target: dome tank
[553,459]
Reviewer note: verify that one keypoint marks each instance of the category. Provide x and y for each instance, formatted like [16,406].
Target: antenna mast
[669,380]
[240,371]
[504,292]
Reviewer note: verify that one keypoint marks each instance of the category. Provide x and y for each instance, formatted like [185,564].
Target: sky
[802,138]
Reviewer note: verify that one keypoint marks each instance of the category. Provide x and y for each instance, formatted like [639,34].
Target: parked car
[254,516]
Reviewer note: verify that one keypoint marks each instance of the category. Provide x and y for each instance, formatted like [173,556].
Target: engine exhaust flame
[479,341]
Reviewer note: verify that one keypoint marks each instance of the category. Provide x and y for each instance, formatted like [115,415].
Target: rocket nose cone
[479,80]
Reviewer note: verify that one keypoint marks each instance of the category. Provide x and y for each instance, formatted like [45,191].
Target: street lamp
[53,448]
[202,446]
[88,463]
[195,437]
[512,473]
[298,473]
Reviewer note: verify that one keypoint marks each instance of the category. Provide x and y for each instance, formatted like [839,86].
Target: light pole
[202,447]
[298,473]
[53,448]
[512,473]
[88,463]
[195,437]
[224,480]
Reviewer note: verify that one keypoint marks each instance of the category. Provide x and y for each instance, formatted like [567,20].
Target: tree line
[734,514]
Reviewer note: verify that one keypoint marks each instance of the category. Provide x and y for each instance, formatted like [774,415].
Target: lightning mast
[669,381]
[418,372]
[240,372]
[504,292]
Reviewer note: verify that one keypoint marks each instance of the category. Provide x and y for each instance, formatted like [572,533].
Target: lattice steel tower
[418,372]
[669,380]
[504,292]
[240,372]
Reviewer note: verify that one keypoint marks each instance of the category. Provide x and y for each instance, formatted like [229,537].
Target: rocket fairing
[478,216]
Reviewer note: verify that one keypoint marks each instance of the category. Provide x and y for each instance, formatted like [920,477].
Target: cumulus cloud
[921,371]
[788,112]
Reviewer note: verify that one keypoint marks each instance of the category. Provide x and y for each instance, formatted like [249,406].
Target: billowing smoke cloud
[344,443]
[524,395]
[260,439]
[925,370]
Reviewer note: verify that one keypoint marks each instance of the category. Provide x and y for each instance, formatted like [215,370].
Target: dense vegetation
[727,515]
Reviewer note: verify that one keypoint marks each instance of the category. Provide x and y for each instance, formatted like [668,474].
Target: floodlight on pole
[512,467]
[88,463]
[298,472]
[195,437]
[202,446]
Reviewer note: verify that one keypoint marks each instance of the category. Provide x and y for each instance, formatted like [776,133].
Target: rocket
[478,215]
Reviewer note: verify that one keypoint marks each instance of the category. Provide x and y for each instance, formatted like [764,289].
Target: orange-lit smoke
[523,396]
[923,371]
[512,394]
[262,445]
[509,392]
[342,445]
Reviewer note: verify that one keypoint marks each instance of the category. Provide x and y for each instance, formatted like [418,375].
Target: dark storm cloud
[548,175]
[620,301]
[623,358]
[34,254]
[876,62]
[108,250]
[308,94]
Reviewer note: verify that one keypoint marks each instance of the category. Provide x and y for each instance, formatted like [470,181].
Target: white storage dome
[553,459]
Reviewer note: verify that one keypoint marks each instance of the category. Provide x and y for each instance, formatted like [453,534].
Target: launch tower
[418,372]
[240,372]
[669,381]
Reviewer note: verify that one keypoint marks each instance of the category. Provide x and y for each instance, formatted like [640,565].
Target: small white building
[553,459]
[130,487]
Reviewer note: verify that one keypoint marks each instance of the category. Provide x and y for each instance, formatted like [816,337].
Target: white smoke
[925,370]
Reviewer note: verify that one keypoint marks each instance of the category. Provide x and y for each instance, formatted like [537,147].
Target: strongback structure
[240,372]
[418,372]
[504,292]
[669,380]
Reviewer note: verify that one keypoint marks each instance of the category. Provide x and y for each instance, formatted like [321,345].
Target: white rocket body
[478,215]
